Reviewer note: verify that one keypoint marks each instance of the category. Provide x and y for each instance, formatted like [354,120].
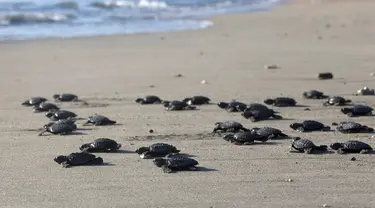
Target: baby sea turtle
[156,150]
[197,100]
[256,106]
[78,158]
[69,121]
[259,115]
[60,114]
[175,163]
[357,110]
[99,120]
[348,127]
[351,146]
[65,97]
[306,146]
[229,126]
[177,105]
[281,102]
[44,107]
[309,125]
[34,101]
[244,138]
[233,106]
[325,75]
[336,101]
[365,91]
[101,145]
[59,128]
[314,94]
[149,99]
[268,132]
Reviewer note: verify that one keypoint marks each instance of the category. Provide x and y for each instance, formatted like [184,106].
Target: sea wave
[34,18]
[132,4]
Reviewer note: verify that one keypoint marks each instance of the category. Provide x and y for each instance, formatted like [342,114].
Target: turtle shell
[284,101]
[312,125]
[197,100]
[67,97]
[267,131]
[102,144]
[256,106]
[259,114]
[180,162]
[100,120]
[80,158]
[61,128]
[356,145]
[162,149]
[63,114]
[229,125]
[152,99]
[246,137]
[35,101]
[302,144]
[362,109]
[46,107]
[313,94]
[336,100]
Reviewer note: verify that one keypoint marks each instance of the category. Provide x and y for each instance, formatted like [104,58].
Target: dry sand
[110,72]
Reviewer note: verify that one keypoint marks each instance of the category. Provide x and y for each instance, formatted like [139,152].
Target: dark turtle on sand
[175,163]
[259,115]
[149,99]
[177,105]
[69,121]
[357,110]
[348,127]
[99,120]
[314,94]
[101,145]
[306,146]
[244,138]
[229,126]
[156,150]
[60,114]
[281,102]
[269,132]
[336,101]
[233,106]
[256,106]
[197,100]
[65,97]
[351,146]
[34,101]
[44,107]
[78,158]
[59,128]
[309,125]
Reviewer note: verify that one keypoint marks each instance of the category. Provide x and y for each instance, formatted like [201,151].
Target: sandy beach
[111,72]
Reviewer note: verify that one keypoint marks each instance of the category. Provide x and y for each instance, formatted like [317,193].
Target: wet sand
[111,72]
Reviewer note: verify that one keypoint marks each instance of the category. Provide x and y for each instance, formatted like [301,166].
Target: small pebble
[307,109]
[151,86]
[353,159]
[271,67]
[178,75]
[203,82]
[325,205]
[290,180]
[151,131]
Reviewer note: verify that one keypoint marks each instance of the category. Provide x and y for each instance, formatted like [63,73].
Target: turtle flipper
[65,164]
[301,129]
[166,169]
[42,132]
[341,151]
[365,151]
[308,150]
[278,117]
[247,143]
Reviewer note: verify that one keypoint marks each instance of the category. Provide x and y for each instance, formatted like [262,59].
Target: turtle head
[26,102]
[84,146]
[346,110]
[139,100]
[269,101]
[61,158]
[55,96]
[142,150]
[166,103]
[295,125]
[217,124]
[336,146]
[222,105]
[159,162]
[186,100]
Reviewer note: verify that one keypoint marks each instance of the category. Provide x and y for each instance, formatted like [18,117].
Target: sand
[111,72]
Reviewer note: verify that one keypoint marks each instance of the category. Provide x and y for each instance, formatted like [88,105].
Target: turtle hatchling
[149,99]
[348,127]
[281,102]
[336,101]
[177,105]
[259,115]
[60,114]
[59,128]
[309,125]
[306,146]
[256,106]
[44,107]
[197,100]
[99,120]
[34,101]
[244,138]
[101,145]
[156,150]
[65,97]
[269,132]
[351,146]
[229,126]
[78,158]
[357,110]
[232,106]
[314,94]
[175,163]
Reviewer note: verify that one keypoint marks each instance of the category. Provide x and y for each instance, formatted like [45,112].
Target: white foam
[141,4]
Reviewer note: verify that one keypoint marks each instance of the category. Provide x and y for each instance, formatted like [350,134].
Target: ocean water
[35,19]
